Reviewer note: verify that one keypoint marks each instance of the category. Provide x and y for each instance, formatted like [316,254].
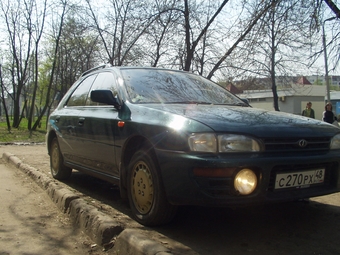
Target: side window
[79,96]
[105,80]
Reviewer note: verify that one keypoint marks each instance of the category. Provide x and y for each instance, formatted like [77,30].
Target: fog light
[245,181]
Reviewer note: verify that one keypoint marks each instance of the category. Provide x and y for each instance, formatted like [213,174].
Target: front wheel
[58,170]
[146,194]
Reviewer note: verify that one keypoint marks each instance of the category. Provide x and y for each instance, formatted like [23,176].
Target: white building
[334,80]
[292,100]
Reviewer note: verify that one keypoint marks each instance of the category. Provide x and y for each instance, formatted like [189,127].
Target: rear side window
[79,96]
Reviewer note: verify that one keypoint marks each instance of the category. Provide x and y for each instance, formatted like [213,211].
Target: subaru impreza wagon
[171,138]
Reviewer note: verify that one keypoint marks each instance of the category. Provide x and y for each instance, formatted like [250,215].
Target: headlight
[245,181]
[207,142]
[237,143]
[335,143]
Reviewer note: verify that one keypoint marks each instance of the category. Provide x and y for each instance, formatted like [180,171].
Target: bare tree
[191,45]
[160,35]
[333,7]
[198,32]
[3,100]
[127,23]
[78,52]
[181,34]
[329,33]
[38,31]
[60,25]
[279,44]
[258,14]
[20,42]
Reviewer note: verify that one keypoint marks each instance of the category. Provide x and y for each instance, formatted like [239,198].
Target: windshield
[166,86]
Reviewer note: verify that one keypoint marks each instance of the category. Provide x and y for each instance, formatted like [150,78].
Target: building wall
[292,104]
[334,80]
[266,104]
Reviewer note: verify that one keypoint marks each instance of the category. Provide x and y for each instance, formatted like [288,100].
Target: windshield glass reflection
[166,86]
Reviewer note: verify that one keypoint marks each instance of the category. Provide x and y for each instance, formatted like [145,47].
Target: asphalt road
[291,228]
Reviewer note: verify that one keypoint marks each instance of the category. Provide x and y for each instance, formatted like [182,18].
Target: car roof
[108,66]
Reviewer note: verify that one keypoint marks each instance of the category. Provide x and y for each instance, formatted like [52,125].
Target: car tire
[58,170]
[146,194]
[123,193]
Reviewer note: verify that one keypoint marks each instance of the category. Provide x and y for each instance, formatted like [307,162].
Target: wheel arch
[51,135]
[131,147]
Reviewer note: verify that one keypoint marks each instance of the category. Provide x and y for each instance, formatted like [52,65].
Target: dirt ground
[32,154]
[30,222]
[36,156]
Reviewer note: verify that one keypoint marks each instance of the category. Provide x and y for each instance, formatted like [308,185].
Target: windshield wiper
[189,102]
[237,104]
[242,104]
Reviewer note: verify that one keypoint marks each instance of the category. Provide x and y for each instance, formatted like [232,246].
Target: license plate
[299,179]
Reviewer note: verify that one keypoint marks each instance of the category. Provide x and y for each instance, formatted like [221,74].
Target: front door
[97,124]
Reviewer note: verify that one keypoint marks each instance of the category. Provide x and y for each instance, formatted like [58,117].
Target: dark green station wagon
[171,138]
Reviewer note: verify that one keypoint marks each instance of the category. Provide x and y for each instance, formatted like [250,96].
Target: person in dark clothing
[308,112]
[328,115]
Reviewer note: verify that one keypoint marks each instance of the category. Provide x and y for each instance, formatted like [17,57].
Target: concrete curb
[101,228]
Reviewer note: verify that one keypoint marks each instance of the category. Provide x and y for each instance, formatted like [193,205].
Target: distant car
[171,138]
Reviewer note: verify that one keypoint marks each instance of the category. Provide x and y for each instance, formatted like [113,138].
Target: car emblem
[302,143]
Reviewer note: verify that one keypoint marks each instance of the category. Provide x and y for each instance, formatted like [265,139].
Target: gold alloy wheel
[142,187]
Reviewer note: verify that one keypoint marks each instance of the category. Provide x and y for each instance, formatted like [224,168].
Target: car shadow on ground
[102,191]
[285,228]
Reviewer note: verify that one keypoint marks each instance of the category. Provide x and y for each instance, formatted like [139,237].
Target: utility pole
[326,58]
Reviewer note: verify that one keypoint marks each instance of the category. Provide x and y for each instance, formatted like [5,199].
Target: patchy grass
[22,134]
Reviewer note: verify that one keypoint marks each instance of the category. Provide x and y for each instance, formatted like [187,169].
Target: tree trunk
[3,101]
[56,49]
[333,7]
[190,48]
[240,39]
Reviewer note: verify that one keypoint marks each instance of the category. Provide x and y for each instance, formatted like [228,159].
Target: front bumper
[184,188]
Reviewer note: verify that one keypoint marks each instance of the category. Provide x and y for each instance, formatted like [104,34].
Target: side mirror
[105,97]
[246,101]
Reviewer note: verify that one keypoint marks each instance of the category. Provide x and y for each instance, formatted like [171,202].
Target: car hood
[237,119]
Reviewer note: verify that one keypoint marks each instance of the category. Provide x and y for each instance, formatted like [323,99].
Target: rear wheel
[58,170]
[146,194]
